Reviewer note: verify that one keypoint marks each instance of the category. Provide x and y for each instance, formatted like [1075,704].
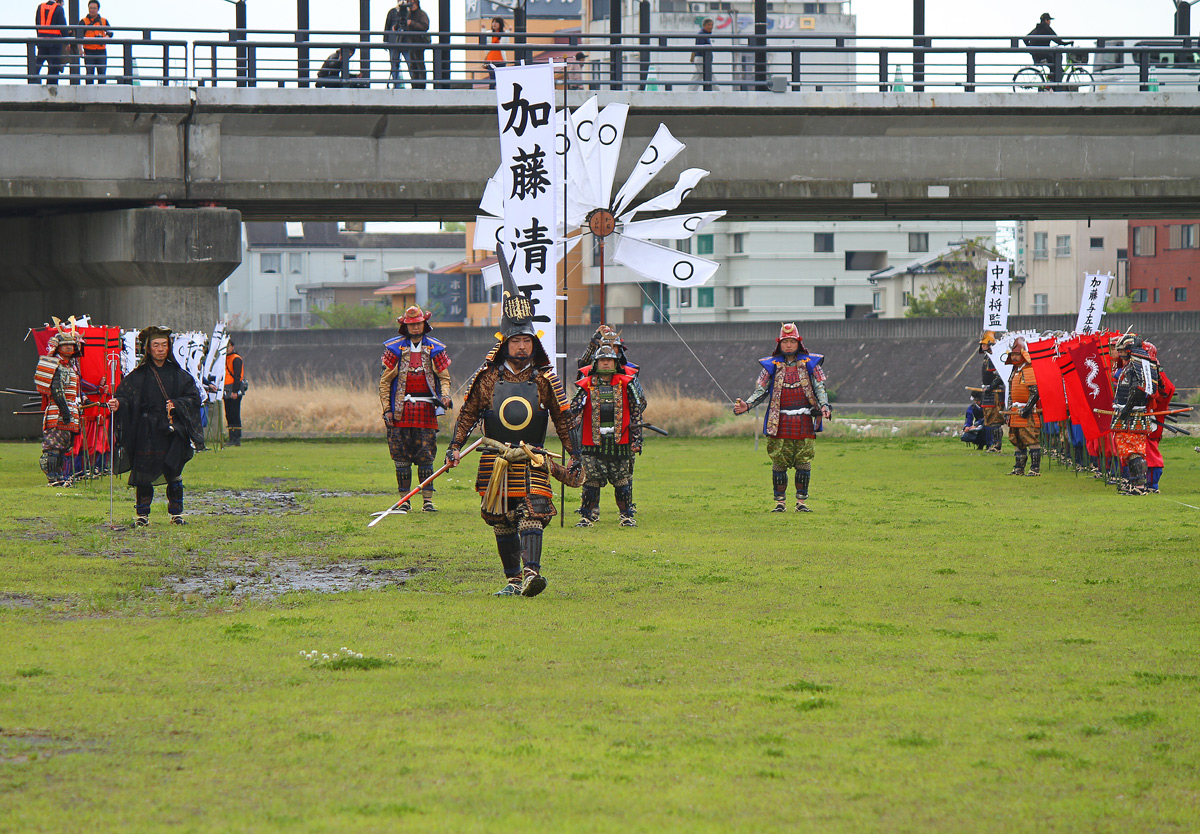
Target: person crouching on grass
[157,408]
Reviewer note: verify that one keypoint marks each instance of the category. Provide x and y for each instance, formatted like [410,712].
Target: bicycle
[1075,76]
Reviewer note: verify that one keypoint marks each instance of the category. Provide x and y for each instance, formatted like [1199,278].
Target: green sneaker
[512,589]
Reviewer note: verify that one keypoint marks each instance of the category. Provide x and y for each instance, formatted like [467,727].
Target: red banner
[1081,413]
[1049,381]
[1091,360]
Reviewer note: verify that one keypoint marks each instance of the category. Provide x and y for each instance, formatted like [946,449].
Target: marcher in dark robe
[158,424]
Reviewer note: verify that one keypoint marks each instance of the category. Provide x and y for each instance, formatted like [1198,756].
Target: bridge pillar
[128,268]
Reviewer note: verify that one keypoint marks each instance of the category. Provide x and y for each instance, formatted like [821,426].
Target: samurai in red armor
[793,385]
[414,386]
[1137,384]
[609,402]
[57,380]
[1024,414]
[515,394]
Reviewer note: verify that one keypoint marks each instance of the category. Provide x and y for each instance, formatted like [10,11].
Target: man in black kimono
[157,409]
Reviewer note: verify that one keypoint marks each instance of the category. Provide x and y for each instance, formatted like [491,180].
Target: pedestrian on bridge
[393,26]
[51,22]
[416,32]
[95,52]
[697,58]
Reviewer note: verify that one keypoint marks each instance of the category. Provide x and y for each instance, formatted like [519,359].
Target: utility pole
[918,42]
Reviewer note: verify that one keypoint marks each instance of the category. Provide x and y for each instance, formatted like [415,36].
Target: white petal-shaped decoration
[672,227]
[582,188]
[659,263]
[671,199]
[610,130]
[493,196]
[662,149]
[487,233]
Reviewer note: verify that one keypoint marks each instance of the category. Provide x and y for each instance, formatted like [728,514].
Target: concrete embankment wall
[897,361]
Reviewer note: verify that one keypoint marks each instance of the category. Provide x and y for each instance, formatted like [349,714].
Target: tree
[958,285]
[353,317]
[453,226]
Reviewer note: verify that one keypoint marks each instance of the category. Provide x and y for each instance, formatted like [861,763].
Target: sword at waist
[409,398]
[796,412]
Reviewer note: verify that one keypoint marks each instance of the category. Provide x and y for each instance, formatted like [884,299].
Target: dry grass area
[311,406]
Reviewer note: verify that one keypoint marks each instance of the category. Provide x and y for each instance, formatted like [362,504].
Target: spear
[392,509]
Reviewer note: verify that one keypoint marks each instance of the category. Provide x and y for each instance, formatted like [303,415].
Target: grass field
[937,648]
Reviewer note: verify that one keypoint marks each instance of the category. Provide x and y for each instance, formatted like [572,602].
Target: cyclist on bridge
[1043,35]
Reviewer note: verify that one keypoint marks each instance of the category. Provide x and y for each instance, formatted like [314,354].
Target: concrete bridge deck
[405,154]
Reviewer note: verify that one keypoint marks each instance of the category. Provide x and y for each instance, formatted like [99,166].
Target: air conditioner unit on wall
[698,8]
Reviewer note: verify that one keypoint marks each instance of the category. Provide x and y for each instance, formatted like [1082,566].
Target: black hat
[517,313]
[1046,16]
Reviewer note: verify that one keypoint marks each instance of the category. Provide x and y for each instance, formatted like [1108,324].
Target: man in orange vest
[95,51]
[51,22]
[235,376]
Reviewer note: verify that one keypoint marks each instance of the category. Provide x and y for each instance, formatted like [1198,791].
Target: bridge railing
[661,62]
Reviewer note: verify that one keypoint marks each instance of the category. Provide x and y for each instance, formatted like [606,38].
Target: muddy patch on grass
[18,601]
[283,576]
[19,748]
[243,502]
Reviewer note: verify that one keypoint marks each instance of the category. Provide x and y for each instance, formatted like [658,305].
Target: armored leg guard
[779,488]
[508,544]
[532,581]
[404,484]
[624,498]
[1035,461]
[425,470]
[144,498]
[802,478]
[1137,473]
[1019,458]
[589,506]
[235,436]
[52,466]
[175,498]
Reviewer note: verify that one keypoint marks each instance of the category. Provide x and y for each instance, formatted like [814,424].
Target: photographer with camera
[393,25]
[416,29]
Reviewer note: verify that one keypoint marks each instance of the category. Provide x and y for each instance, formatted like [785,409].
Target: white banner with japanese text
[995,298]
[528,184]
[1091,303]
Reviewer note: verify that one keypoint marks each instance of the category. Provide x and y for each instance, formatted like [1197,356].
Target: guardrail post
[126,63]
[796,65]
[708,68]
[1143,59]
[760,44]
[883,71]
[643,40]
[441,57]
[615,70]
[970,88]
[302,23]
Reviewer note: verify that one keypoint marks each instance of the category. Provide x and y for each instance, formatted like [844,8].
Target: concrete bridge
[125,201]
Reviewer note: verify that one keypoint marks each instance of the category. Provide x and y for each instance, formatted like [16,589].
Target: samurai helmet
[1151,351]
[606,351]
[986,341]
[148,334]
[789,331]
[414,315]
[1130,343]
[1018,353]
[64,334]
[516,310]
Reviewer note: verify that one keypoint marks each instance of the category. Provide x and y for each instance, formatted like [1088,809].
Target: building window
[685,296]
[1041,303]
[684,246]
[866,261]
[294,230]
[704,296]
[1156,295]
[1143,241]
[739,242]
[270,262]
[906,298]
[739,296]
[1041,247]
[1182,237]
[1138,296]
[294,305]
[877,300]
[1096,242]
[918,241]
[349,256]
[476,289]
[1062,246]
[822,296]
[1122,254]
[823,242]
[597,252]
[296,263]
[704,245]
[1181,293]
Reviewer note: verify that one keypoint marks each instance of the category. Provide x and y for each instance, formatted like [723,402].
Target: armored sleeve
[391,368]
[819,389]
[472,407]
[555,401]
[761,388]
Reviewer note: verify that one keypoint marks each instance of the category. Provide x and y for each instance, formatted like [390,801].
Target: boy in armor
[610,403]
[1024,415]
[515,393]
[415,382]
[57,380]
[793,383]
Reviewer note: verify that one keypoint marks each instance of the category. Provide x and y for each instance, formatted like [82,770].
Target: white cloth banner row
[995,298]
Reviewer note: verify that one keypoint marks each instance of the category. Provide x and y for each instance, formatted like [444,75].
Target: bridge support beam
[128,268]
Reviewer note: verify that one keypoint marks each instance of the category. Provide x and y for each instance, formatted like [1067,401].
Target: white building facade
[281,261]
[1056,254]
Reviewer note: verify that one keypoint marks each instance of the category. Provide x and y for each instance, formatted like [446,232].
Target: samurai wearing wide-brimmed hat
[57,380]
[793,385]
[515,394]
[157,409]
[610,404]
[413,389]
